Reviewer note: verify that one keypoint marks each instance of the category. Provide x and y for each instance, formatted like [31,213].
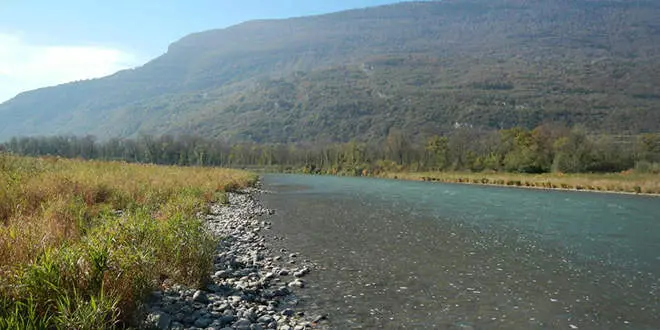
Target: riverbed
[418,255]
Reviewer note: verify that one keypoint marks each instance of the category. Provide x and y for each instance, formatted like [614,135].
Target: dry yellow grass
[60,228]
[625,182]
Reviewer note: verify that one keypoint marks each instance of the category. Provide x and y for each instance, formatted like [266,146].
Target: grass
[624,182]
[82,243]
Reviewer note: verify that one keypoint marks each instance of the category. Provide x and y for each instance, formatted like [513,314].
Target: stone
[176,326]
[265,319]
[299,273]
[242,324]
[320,318]
[200,296]
[234,300]
[288,312]
[159,320]
[203,322]
[298,283]
[252,316]
[226,320]
[222,307]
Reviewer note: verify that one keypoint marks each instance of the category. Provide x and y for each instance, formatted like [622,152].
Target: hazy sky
[44,42]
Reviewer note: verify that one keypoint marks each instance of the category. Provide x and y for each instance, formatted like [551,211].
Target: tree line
[547,148]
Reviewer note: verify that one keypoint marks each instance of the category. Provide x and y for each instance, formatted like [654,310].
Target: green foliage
[82,243]
[363,72]
[95,312]
[544,149]
[647,167]
[23,315]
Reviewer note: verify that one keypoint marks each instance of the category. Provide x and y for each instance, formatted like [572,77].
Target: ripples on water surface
[418,255]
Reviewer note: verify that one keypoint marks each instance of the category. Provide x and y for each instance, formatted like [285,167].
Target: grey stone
[288,312]
[242,324]
[266,319]
[159,320]
[299,273]
[203,322]
[252,316]
[298,283]
[226,319]
[176,326]
[320,318]
[200,296]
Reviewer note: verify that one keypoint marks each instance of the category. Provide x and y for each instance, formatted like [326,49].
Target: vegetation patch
[626,182]
[82,243]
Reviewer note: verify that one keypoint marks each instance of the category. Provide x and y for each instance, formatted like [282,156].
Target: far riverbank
[617,183]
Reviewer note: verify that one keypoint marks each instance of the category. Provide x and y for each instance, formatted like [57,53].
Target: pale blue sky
[45,42]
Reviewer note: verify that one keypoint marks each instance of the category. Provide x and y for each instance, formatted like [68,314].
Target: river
[417,255]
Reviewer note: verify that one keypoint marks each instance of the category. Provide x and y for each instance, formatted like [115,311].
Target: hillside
[422,67]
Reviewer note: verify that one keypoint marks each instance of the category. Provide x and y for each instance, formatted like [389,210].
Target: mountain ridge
[420,66]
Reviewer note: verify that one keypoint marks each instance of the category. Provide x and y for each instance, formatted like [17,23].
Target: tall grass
[624,182]
[83,242]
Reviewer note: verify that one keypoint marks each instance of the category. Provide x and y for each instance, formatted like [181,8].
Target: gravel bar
[252,286]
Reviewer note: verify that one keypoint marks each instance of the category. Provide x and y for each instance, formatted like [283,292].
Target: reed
[83,242]
[623,182]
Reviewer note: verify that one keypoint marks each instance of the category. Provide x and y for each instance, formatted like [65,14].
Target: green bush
[645,167]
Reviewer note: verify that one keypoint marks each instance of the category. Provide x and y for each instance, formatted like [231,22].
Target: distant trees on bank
[544,149]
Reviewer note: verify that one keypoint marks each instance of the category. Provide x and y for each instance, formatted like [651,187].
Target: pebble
[241,295]
[201,297]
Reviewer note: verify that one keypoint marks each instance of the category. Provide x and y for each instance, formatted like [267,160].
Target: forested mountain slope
[422,67]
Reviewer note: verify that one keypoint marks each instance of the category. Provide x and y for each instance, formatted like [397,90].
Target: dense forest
[547,148]
[422,67]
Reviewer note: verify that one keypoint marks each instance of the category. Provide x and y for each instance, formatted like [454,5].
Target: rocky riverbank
[252,286]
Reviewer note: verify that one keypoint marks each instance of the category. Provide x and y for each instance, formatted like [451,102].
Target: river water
[418,255]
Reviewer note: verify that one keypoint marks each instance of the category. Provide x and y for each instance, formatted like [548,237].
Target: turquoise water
[399,254]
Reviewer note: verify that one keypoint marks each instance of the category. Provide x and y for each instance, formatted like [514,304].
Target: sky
[45,43]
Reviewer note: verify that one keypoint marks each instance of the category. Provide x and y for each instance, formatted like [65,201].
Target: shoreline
[614,192]
[411,176]
[251,287]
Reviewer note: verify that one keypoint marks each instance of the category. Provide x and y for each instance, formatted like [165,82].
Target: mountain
[422,67]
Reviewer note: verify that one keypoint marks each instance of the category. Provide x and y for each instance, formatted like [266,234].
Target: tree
[397,146]
[437,152]
[648,147]
[523,153]
[572,153]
